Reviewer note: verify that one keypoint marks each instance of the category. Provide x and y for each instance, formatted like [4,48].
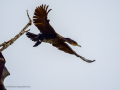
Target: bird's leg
[38,37]
[37,43]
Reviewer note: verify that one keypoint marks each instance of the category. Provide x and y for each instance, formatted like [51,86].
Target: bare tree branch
[8,43]
[3,70]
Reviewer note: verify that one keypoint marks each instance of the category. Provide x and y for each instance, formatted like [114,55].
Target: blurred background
[94,24]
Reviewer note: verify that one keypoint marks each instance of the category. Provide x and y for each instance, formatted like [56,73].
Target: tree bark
[3,70]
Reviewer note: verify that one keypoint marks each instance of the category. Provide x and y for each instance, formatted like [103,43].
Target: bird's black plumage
[49,35]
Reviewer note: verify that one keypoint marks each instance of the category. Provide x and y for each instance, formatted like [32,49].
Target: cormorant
[49,35]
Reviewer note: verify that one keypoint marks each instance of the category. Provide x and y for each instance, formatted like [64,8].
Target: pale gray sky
[94,24]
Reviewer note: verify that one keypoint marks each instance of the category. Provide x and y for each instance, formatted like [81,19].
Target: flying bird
[49,35]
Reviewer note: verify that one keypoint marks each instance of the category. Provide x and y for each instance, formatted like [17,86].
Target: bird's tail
[31,36]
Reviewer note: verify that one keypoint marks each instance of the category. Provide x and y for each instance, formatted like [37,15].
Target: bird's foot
[37,43]
[36,38]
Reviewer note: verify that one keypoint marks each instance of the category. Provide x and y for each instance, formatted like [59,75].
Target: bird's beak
[79,45]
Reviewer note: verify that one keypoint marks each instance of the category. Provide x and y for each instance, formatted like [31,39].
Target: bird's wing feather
[40,20]
[64,47]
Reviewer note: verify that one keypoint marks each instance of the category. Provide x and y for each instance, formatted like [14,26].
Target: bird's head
[72,42]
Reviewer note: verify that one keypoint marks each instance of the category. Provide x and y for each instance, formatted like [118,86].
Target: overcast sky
[94,24]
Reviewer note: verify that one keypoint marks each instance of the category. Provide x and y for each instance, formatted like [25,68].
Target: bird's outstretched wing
[64,47]
[40,20]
